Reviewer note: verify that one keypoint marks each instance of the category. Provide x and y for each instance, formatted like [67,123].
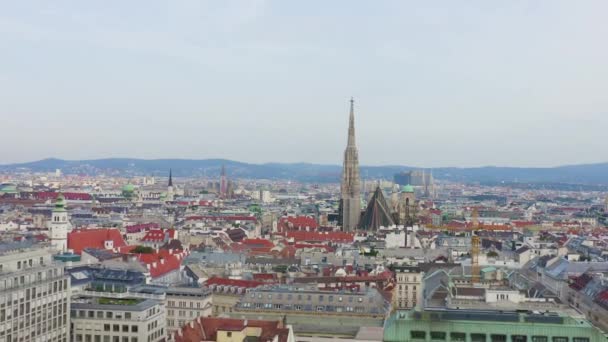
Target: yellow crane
[475,244]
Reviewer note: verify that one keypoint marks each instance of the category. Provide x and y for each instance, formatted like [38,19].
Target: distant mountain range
[595,174]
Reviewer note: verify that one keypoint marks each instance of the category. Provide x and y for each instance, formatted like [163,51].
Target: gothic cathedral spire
[351,182]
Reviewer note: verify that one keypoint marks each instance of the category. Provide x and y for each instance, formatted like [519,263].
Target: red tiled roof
[70,196]
[520,224]
[257,243]
[206,329]
[93,238]
[161,262]
[136,228]
[297,222]
[321,236]
[265,277]
[204,203]
[159,235]
[221,218]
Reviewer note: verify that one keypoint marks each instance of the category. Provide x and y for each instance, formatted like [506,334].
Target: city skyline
[450,84]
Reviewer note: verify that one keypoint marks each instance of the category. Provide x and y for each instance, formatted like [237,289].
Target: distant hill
[574,174]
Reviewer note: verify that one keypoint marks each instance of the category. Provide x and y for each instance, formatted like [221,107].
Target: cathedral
[351,183]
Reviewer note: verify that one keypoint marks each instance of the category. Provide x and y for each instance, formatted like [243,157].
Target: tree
[492,254]
[142,250]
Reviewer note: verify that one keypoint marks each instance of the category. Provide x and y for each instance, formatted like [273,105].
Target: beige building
[408,287]
[113,319]
[185,304]
[34,295]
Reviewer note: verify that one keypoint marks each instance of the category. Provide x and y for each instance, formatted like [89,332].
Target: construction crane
[475,271]
[475,244]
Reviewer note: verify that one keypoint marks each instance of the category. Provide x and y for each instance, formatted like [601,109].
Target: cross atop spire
[351,124]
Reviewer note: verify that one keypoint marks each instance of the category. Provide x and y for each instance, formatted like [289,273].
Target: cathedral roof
[377,214]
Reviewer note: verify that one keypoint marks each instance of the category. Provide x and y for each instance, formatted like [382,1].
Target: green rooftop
[119,301]
[488,326]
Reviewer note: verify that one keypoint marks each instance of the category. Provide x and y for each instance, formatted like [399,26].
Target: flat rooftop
[109,303]
[531,317]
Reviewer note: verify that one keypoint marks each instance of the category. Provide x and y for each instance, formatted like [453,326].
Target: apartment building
[408,289]
[185,304]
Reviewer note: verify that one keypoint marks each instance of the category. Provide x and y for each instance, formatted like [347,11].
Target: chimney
[245,323]
[192,324]
[179,332]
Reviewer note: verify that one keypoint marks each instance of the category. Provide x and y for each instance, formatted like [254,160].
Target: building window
[127,315]
[106,327]
[456,336]
[560,339]
[418,335]
[116,327]
[109,314]
[134,328]
[580,339]
[540,339]
[229,334]
[479,338]
[125,328]
[438,335]
[519,338]
[498,338]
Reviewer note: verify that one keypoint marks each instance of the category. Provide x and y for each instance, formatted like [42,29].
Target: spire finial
[351,123]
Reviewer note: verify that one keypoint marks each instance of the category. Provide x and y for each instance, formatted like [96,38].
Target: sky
[436,83]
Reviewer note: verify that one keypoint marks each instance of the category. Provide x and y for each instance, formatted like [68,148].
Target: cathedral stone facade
[351,182]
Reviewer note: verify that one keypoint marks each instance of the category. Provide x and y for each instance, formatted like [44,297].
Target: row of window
[20,338]
[319,298]
[183,304]
[117,328]
[105,338]
[9,283]
[99,314]
[55,308]
[29,263]
[182,313]
[461,337]
[330,308]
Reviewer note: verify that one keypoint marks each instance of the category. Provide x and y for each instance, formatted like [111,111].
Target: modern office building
[488,326]
[34,295]
[116,319]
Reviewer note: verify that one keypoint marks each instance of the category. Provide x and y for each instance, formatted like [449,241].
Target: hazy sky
[436,83]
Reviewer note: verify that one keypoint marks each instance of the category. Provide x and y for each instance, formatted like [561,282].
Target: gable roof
[206,328]
[94,238]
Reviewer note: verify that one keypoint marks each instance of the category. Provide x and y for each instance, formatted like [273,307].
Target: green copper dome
[8,188]
[128,188]
[407,188]
[59,204]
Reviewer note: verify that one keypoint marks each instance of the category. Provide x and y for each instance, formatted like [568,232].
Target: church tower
[170,193]
[59,225]
[351,182]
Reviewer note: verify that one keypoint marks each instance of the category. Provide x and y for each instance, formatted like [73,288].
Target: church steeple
[351,124]
[170,178]
[351,182]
